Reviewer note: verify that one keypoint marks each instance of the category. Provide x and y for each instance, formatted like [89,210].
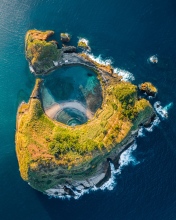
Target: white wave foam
[154,124]
[99,60]
[83,40]
[141,132]
[151,97]
[126,75]
[126,158]
[162,111]
[153,59]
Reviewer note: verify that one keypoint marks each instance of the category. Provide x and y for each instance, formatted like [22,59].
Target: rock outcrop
[83,43]
[69,49]
[148,88]
[65,37]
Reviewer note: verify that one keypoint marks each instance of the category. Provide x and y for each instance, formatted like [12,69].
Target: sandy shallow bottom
[53,110]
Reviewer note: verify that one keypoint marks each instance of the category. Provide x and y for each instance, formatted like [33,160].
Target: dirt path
[54,109]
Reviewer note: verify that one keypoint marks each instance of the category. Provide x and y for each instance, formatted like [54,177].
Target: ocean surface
[126,32]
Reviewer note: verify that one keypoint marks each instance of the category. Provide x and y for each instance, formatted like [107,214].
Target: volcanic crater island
[80,117]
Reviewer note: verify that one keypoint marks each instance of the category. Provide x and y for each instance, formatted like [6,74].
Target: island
[60,159]
[148,88]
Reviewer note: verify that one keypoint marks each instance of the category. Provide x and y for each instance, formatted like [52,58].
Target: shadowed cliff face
[71,95]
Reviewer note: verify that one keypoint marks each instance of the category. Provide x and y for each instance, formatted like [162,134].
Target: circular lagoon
[71,95]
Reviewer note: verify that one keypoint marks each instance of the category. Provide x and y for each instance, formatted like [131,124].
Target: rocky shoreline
[73,187]
[75,59]
[61,160]
[103,174]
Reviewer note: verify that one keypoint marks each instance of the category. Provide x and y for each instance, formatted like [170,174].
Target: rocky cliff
[60,160]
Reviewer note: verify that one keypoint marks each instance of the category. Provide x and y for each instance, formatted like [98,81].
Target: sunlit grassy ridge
[45,147]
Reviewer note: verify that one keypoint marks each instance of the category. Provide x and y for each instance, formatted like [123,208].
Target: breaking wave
[154,124]
[100,60]
[126,158]
[162,111]
[141,132]
[84,40]
[126,75]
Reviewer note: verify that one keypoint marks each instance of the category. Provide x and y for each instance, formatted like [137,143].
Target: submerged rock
[148,88]
[41,53]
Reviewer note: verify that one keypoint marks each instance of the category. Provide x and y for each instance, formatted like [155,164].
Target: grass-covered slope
[39,52]
[49,152]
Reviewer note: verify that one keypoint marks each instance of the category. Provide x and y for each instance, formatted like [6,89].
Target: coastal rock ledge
[148,88]
[61,160]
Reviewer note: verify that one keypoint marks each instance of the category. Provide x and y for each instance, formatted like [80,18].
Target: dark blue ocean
[128,32]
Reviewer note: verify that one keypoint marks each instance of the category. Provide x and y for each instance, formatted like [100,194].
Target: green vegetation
[82,44]
[39,52]
[127,95]
[45,146]
[51,153]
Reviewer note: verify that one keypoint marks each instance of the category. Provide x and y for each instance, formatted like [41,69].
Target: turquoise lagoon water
[76,90]
[73,83]
[127,32]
